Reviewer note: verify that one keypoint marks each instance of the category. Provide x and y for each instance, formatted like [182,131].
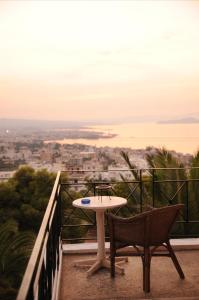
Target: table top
[100,202]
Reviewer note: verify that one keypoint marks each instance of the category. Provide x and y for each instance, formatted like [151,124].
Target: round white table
[99,205]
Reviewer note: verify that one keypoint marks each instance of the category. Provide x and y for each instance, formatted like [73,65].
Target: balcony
[68,234]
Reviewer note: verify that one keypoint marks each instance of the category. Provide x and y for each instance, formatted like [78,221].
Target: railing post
[94,191]
[94,188]
[187,201]
[153,188]
[59,208]
[141,191]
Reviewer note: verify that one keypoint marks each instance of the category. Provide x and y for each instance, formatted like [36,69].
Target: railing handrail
[30,270]
[127,169]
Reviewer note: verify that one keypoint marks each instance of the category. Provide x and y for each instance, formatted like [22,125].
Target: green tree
[15,248]
[194,187]
[9,202]
[134,189]
[32,189]
[169,174]
[23,201]
[172,183]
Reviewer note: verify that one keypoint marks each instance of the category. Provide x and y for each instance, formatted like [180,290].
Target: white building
[5,175]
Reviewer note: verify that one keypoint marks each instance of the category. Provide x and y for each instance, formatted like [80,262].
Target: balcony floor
[165,282]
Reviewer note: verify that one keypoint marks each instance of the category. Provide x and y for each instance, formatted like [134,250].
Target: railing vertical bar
[59,223]
[153,187]
[141,190]
[94,189]
[187,201]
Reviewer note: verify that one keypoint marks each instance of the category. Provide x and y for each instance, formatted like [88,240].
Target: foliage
[167,172]
[15,248]
[194,187]
[25,196]
[168,183]
[134,189]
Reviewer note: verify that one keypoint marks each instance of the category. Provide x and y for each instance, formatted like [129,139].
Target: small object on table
[85,201]
[103,190]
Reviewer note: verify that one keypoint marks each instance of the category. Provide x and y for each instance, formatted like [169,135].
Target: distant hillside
[18,124]
[189,120]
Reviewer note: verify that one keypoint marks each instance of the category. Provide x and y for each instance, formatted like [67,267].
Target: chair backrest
[150,228]
[160,223]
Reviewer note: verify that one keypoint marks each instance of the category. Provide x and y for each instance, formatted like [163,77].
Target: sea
[182,138]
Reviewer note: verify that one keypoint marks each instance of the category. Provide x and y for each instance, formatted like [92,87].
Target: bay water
[182,138]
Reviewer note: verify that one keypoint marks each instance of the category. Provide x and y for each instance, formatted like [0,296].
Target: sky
[99,60]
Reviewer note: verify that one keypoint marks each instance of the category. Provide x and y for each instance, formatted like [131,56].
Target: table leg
[101,261]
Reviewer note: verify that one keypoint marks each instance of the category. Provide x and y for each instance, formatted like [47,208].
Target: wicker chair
[145,232]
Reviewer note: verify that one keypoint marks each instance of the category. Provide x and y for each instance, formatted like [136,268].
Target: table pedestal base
[96,264]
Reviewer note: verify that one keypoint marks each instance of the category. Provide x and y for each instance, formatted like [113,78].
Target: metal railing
[146,188]
[41,280]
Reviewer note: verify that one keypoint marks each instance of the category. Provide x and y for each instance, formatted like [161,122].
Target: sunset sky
[87,60]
